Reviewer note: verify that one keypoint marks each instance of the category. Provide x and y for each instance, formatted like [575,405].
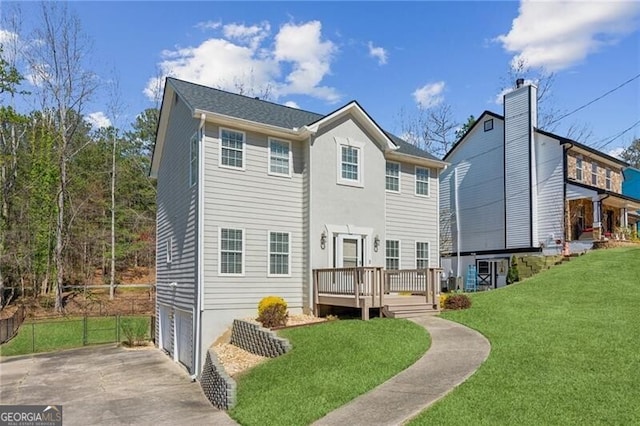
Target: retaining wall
[258,340]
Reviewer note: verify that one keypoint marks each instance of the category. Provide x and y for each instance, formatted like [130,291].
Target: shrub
[512,275]
[457,301]
[134,330]
[272,312]
[443,299]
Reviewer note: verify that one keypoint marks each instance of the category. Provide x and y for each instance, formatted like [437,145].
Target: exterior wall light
[323,240]
[376,243]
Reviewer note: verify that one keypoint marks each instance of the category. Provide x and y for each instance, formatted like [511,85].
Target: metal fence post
[33,337]
[84,331]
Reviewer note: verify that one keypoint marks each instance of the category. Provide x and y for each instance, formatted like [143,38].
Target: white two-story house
[258,199]
[513,188]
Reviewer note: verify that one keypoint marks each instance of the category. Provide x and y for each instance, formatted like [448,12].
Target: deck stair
[406,307]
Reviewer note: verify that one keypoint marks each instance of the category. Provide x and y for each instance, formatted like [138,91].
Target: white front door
[349,251]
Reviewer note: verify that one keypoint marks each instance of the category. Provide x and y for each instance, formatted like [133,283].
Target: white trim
[363,117]
[290,159]
[199,305]
[169,250]
[415,253]
[415,181]
[359,147]
[193,143]
[244,149]
[277,131]
[269,274]
[399,177]
[244,251]
[336,230]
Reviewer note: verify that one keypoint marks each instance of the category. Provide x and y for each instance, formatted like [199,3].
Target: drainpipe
[198,308]
[455,185]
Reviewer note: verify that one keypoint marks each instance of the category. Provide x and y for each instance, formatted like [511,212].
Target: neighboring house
[513,188]
[254,198]
[631,188]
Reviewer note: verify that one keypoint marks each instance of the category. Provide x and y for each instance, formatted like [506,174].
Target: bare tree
[548,114]
[432,129]
[57,65]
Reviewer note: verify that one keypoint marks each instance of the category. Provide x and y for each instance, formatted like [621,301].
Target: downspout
[200,274]
[455,185]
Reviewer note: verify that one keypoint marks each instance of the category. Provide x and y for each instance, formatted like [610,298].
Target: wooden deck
[396,293]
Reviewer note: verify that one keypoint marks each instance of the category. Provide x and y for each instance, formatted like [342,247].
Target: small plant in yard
[272,312]
[134,331]
[512,275]
[457,301]
[443,299]
[332,318]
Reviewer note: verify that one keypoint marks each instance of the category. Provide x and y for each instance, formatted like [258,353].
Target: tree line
[75,199]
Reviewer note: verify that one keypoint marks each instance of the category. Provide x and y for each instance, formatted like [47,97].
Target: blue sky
[389,56]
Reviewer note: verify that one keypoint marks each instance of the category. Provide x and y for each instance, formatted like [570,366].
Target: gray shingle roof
[260,111]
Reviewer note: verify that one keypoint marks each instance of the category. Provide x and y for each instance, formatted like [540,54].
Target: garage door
[184,327]
[166,337]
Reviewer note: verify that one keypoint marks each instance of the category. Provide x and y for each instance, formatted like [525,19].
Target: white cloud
[616,152]
[555,35]
[378,52]
[98,120]
[429,95]
[292,104]
[250,36]
[293,61]
[209,25]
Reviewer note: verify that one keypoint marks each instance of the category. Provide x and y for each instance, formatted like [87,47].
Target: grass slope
[565,348]
[329,365]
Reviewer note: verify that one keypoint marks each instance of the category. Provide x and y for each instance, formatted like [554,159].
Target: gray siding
[411,218]
[518,184]
[256,202]
[333,204]
[549,165]
[480,164]
[177,214]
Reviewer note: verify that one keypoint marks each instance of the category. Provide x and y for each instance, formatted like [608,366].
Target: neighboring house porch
[395,292]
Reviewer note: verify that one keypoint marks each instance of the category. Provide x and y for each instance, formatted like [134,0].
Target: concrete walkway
[455,354]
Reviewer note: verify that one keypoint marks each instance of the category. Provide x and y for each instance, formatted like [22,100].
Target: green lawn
[66,333]
[565,348]
[329,365]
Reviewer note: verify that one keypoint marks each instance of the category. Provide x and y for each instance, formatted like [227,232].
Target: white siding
[410,218]
[518,183]
[480,163]
[549,165]
[257,202]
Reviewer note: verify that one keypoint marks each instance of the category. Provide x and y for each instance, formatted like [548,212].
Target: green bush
[272,312]
[134,330]
[457,301]
[512,275]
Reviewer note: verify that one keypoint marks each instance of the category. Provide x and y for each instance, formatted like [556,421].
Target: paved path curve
[455,354]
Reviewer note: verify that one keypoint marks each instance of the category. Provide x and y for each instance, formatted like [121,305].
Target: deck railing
[375,282]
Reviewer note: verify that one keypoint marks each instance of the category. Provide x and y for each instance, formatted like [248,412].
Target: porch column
[597,220]
[624,217]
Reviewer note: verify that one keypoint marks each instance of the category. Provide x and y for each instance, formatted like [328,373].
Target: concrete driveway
[108,385]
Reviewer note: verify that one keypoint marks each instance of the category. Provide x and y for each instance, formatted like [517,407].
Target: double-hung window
[422,255]
[279,157]
[392,258]
[232,148]
[608,180]
[393,177]
[193,159]
[350,165]
[350,161]
[279,253]
[594,174]
[231,251]
[422,181]
[579,169]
